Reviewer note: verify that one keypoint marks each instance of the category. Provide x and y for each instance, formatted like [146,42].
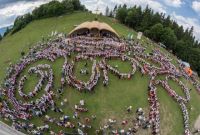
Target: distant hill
[3,29]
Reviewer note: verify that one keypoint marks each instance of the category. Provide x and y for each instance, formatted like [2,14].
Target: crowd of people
[118,73]
[44,76]
[87,42]
[80,85]
[88,48]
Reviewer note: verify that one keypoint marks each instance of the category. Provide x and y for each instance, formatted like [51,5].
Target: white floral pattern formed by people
[108,48]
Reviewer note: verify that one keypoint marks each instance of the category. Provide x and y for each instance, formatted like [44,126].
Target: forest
[161,28]
[51,9]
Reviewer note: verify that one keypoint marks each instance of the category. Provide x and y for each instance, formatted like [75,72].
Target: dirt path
[7,130]
[197,123]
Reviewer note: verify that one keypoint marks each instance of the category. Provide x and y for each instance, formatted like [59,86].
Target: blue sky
[185,12]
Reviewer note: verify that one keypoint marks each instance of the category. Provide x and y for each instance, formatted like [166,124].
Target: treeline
[161,28]
[51,9]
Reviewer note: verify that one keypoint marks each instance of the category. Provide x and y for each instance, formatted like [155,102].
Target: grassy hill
[106,102]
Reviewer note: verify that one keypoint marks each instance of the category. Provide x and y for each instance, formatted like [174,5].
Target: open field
[106,102]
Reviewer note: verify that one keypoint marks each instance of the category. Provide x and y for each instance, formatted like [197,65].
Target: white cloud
[196,6]
[155,5]
[174,3]
[11,11]
[188,22]
[92,5]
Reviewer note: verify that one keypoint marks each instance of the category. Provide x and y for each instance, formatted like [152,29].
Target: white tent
[139,36]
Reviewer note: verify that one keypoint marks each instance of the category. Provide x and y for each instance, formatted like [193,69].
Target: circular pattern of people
[97,48]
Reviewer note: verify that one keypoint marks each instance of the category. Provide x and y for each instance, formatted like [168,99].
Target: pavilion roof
[95,25]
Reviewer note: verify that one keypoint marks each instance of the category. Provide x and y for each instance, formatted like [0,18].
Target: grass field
[106,102]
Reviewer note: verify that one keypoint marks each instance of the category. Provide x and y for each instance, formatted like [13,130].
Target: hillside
[108,101]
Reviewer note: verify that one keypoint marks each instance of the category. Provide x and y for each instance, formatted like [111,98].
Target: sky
[185,12]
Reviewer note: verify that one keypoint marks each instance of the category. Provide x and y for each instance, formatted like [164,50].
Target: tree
[111,14]
[115,8]
[179,31]
[125,6]
[115,11]
[77,5]
[162,29]
[156,32]
[156,18]
[146,19]
[167,21]
[0,37]
[107,11]
[53,8]
[69,7]
[194,59]
[130,21]
[121,14]
[191,31]
[168,38]
[21,22]
[180,48]
[133,17]
[6,32]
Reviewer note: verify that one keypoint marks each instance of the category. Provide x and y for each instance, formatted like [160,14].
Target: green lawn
[106,102]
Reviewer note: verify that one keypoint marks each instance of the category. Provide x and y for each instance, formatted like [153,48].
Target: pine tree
[111,14]
[107,11]
[121,14]
[115,11]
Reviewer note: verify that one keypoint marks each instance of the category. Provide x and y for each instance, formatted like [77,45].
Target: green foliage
[168,38]
[121,14]
[77,5]
[162,29]
[156,31]
[107,11]
[130,17]
[111,14]
[68,5]
[21,22]
[146,19]
[51,9]
[0,37]
[7,31]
